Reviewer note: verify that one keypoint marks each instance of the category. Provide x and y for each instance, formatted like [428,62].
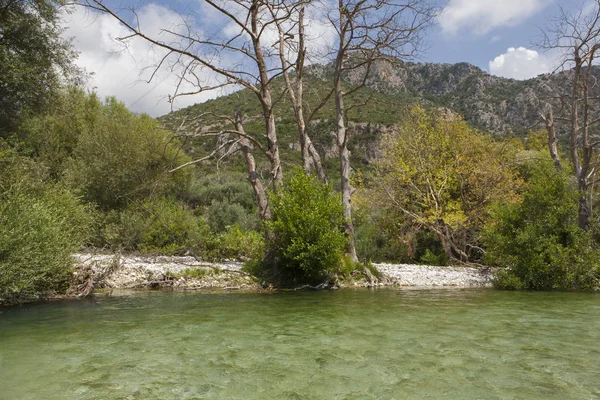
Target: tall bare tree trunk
[257,186]
[265,95]
[342,140]
[276,170]
[310,157]
[552,143]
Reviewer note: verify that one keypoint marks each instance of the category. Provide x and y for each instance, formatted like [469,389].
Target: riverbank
[95,271]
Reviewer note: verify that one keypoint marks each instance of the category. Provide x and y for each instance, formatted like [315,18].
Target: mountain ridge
[499,106]
[494,104]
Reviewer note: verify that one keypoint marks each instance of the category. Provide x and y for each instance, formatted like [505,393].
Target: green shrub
[347,267]
[222,215]
[41,226]
[307,231]
[378,239]
[156,226]
[232,187]
[51,137]
[197,273]
[431,258]
[238,244]
[538,242]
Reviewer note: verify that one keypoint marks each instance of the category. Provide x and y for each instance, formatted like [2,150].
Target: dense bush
[121,158]
[156,226]
[378,238]
[222,215]
[235,243]
[231,186]
[537,242]
[41,226]
[50,138]
[307,231]
[35,59]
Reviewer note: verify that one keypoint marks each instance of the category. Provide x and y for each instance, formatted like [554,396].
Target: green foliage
[51,137]
[196,273]
[537,242]
[41,226]
[33,59]
[222,215]
[171,228]
[377,237]
[165,226]
[231,186]
[431,258]
[235,243]
[307,231]
[156,226]
[441,175]
[121,157]
[349,269]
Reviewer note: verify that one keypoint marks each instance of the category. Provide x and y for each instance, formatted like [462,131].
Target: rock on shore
[118,271]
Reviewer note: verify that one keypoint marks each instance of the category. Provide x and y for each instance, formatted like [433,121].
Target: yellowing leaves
[442,174]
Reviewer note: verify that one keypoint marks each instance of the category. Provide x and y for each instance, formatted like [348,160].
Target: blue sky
[472,45]
[495,35]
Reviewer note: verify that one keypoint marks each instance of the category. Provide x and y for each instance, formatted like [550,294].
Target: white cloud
[481,16]
[520,63]
[320,35]
[123,71]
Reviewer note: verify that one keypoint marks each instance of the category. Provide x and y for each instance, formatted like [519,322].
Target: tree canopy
[439,173]
[34,59]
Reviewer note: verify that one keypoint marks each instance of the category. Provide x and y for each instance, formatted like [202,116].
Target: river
[346,344]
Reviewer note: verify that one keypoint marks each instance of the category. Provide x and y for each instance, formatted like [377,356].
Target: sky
[498,36]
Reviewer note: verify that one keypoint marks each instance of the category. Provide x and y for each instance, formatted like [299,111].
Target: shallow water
[385,344]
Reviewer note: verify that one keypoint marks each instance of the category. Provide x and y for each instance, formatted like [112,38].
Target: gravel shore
[128,272]
[424,275]
[118,271]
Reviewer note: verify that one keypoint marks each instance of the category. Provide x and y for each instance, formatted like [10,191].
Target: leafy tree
[121,157]
[51,137]
[308,239]
[538,242]
[438,173]
[34,59]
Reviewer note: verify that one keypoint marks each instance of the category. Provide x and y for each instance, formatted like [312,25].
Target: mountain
[493,104]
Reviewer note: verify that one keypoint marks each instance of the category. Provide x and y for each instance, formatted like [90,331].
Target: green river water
[347,344]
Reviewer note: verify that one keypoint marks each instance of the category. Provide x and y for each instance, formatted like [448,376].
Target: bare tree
[192,55]
[368,31]
[292,40]
[576,35]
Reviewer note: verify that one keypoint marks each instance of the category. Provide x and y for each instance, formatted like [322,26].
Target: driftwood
[88,279]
